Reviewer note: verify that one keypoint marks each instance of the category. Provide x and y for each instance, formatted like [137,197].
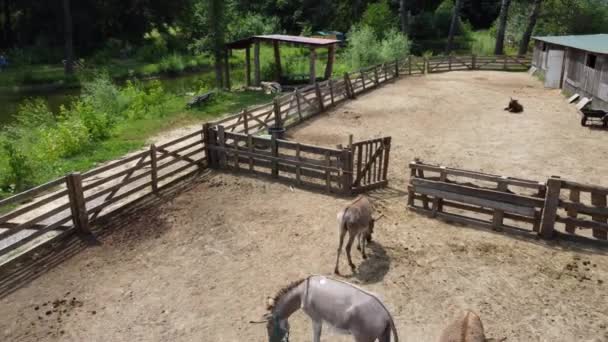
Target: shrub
[379,17]
[20,174]
[363,47]
[172,64]
[251,24]
[394,46]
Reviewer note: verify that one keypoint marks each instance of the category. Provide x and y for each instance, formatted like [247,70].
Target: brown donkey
[357,220]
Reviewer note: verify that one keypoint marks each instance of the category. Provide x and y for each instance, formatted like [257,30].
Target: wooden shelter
[578,64]
[276,39]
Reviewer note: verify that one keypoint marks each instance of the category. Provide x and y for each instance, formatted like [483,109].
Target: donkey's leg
[342,233]
[349,245]
[316,331]
[363,242]
[386,334]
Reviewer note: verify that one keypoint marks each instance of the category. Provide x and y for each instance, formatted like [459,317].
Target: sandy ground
[199,267]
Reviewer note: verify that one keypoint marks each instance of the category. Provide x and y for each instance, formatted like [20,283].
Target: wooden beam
[77,203]
[248,65]
[256,63]
[277,60]
[313,61]
[547,222]
[329,68]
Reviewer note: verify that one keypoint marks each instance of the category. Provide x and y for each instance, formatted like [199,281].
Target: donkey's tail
[393,328]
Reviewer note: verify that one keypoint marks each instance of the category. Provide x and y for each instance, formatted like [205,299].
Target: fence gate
[370,164]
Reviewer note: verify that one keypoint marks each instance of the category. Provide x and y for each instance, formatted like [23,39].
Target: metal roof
[240,44]
[597,43]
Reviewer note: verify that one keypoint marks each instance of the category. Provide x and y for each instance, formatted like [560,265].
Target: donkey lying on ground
[357,219]
[514,106]
[344,306]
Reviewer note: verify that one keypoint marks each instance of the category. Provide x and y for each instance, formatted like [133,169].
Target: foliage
[172,64]
[249,24]
[483,42]
[366,49]
[380,18]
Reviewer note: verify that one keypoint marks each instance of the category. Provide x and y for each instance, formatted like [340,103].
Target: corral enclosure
[199,267]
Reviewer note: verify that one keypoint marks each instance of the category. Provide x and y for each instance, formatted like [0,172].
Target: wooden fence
[74,202]
[500,202]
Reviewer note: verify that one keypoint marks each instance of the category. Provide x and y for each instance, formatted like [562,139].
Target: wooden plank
[274,147]
[176,155]
[547,224]
[23,210]
[248,66]
[114,188]
[327,173]
[481,210]
[319,96]
[187,155]
[575,197]
[331,91]
[492,195]
[40,232]
[436,206]
[387,150]
[585,187]
[35,220]
[313,62]
[175,172]
[598,226]
[359,149]
[173,142]
[250,149]
[256,63]
[482,202]
[599,200]
[298,167]
[222,143]
[32,192]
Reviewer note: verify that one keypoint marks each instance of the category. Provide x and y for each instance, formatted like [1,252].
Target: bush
[251,24]
[379,17]
[172,64]
[154,47]
[363,48]
[394,46]
[19,175]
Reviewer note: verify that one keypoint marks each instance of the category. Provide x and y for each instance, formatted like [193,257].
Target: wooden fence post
[347,171]
[347,86]
[450,62]
[473,62]
[153,168]
[299,104]
[331,90]
[245,122]
[77,202]
[319,97]
[497,219]
[277,113]
[547,221]
[274,147]
[409,64]
[376,78]
[575,196]
[222,144]
[396,68]
[426,65]
[208,136]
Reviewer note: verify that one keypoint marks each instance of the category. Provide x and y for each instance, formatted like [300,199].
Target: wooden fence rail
[488,200]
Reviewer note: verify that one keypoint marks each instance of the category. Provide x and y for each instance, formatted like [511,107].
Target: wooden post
[385,67]
[497,220]
[277,60]
[256,63]
[77,202]
[299,104]
[227,70]
[207,142]
[298,167]
[275,154]
[313,65]
[450,62]
[331,90]
[250,148]
[376,78]
[346,171]
[319,97]
[387,151]
[396,68]
[329,68]
[222,143]
[438,202]
[348,86]
[153,168]
[246,120]
[575,196]
[473,62]
[362,78]
[277,113]
[409,64]
[504,62]
[547,221]
[599,200]
[248,66]
[327,172]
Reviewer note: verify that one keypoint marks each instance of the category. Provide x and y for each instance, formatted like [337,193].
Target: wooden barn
[577,64]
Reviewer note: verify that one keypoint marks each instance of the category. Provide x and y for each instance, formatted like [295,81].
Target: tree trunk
[453,26]
[502,27]
[404,16]
[68,36]
[525,40]
[8,26]
[216,20]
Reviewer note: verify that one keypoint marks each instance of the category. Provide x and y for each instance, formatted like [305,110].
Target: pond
[9,101]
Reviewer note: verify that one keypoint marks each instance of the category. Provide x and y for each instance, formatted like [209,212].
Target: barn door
[370,164]
[553,74]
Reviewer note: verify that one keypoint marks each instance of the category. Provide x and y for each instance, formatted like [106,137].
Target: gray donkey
[345,307]
[357,220]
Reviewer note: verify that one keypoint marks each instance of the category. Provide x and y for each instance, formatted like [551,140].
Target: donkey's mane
[286,289]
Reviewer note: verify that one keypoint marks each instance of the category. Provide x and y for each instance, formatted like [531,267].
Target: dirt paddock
[199,267]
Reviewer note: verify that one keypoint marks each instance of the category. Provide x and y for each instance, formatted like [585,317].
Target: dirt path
[199,267]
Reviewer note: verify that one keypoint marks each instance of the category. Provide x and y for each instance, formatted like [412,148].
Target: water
[9,102]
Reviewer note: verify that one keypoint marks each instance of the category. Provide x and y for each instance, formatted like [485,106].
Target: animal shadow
[375,267]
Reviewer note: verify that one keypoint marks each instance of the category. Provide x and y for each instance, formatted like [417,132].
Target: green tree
[525,40]
[453,26]
[379,17]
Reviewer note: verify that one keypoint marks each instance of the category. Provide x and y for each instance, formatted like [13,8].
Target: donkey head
[277,329]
